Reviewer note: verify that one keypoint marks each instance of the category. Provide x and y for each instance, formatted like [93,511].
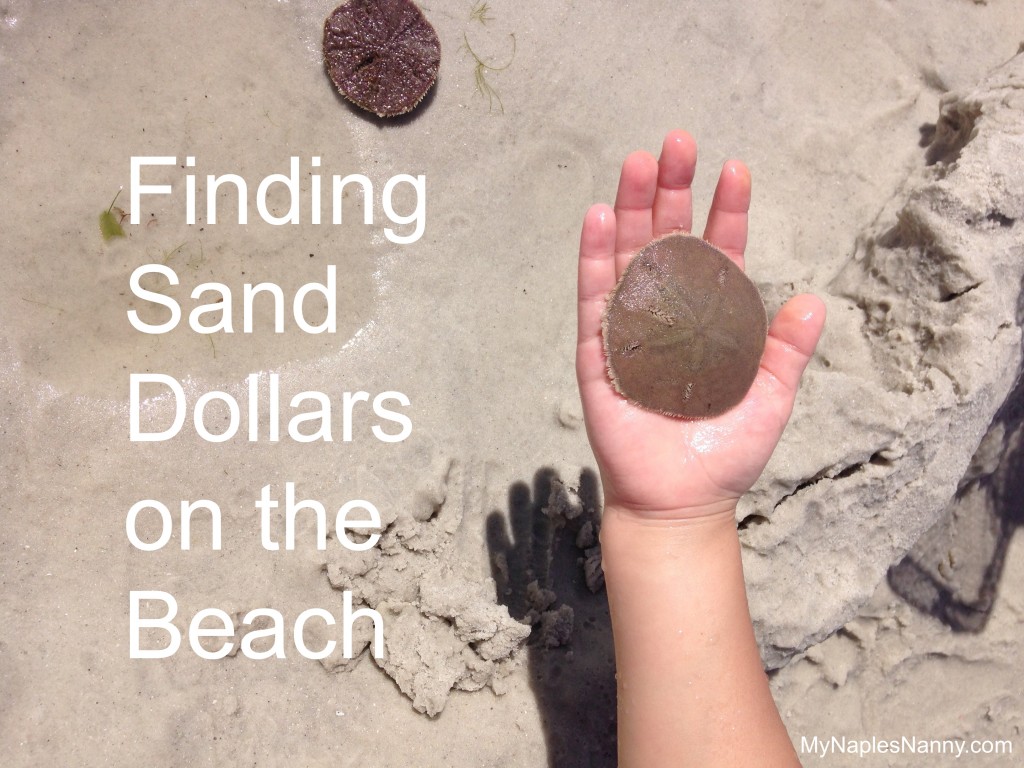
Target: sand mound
[923,346]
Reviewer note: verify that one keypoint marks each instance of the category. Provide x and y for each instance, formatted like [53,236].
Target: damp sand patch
[71,326]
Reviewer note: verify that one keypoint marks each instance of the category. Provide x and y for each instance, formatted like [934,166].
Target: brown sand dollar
[382,55]
[684,330]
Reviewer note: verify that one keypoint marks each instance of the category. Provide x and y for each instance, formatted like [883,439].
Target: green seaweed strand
[480,73]
[110,225]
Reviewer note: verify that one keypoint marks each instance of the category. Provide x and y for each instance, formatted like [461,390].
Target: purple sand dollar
[382,55]
[684,330]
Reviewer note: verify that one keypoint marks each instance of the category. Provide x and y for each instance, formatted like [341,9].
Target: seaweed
[481,69]
[481,12]
[110,222]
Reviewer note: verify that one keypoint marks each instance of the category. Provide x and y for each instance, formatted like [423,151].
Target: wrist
[665,507]
[642,541]
[681,522]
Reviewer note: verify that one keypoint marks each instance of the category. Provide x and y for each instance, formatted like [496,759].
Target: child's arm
[691,687]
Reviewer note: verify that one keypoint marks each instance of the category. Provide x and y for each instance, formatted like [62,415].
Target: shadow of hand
[547,571]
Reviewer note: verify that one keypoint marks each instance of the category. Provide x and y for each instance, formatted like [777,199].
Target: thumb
[792,339]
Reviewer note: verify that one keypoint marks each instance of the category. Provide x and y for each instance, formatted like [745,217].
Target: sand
[473,322]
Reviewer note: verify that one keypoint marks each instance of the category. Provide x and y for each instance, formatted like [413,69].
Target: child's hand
[658,466]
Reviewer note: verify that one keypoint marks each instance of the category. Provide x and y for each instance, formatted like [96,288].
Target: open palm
[655,465]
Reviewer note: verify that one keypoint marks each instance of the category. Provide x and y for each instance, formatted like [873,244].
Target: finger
[500,547]
[792,339]
[673,200]
[727,221]
[596,278]
[633,206]
[498,541]
[520,518]
[596,275]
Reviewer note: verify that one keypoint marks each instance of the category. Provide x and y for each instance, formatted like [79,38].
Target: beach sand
[832,105]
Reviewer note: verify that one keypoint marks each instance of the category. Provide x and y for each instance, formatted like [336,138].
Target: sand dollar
[684,330]
[382,55]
